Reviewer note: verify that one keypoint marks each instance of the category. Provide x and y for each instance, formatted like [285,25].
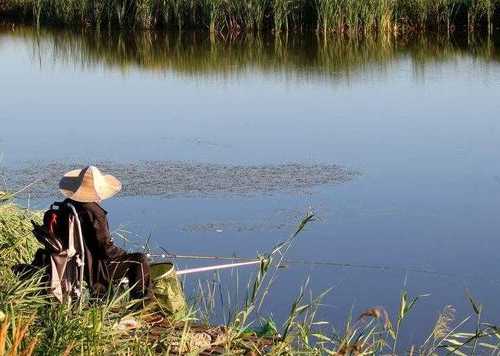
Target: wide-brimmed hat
[89,185]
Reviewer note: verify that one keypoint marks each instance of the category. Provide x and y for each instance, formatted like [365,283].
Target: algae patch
[170,178]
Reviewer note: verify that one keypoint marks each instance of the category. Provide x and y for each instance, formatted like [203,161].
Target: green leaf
[476,306]
[456,352]
[402,305]
[320,323]
[302,308]
[322,337]
[488,346]
[454,342]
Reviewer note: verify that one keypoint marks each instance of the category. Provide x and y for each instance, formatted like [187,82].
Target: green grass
[30,323]
[233,16]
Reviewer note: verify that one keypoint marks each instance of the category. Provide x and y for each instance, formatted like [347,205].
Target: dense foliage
[346,16]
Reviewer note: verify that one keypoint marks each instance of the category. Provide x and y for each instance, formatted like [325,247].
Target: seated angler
[105,263]
[85,189]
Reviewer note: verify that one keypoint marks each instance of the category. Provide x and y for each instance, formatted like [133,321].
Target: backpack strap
[71,236]
[81,250]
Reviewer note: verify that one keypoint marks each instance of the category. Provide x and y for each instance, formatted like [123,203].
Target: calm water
[418,119]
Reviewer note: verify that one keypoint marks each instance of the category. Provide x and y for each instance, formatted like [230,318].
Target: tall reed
[233,16]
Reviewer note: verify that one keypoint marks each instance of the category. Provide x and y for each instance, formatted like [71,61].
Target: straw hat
[89,185]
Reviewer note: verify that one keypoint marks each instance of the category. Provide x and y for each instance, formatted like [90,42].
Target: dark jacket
[99,246]
[94,221]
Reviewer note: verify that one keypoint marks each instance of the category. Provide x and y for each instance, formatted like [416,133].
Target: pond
[223,145]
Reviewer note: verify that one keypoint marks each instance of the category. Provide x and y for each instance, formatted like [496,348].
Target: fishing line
[323,263]
[284,261]
[305,262]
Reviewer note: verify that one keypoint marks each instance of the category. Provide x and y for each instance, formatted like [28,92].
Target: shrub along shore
[233,16]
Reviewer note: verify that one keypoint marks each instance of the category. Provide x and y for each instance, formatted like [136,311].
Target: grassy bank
[30,323]
[341,16]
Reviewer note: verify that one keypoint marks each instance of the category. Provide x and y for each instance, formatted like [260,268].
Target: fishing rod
[284,245]
[243,261]
[217,267]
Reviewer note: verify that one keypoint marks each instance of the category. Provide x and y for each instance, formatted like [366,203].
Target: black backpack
[53,233]
[63,252]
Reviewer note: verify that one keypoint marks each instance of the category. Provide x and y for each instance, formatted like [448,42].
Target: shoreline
[110,326]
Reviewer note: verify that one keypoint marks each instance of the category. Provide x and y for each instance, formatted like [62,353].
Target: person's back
[95,229]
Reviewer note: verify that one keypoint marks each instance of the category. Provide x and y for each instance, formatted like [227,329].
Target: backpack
[64,251]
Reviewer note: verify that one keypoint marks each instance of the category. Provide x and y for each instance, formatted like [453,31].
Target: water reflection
[296,57]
